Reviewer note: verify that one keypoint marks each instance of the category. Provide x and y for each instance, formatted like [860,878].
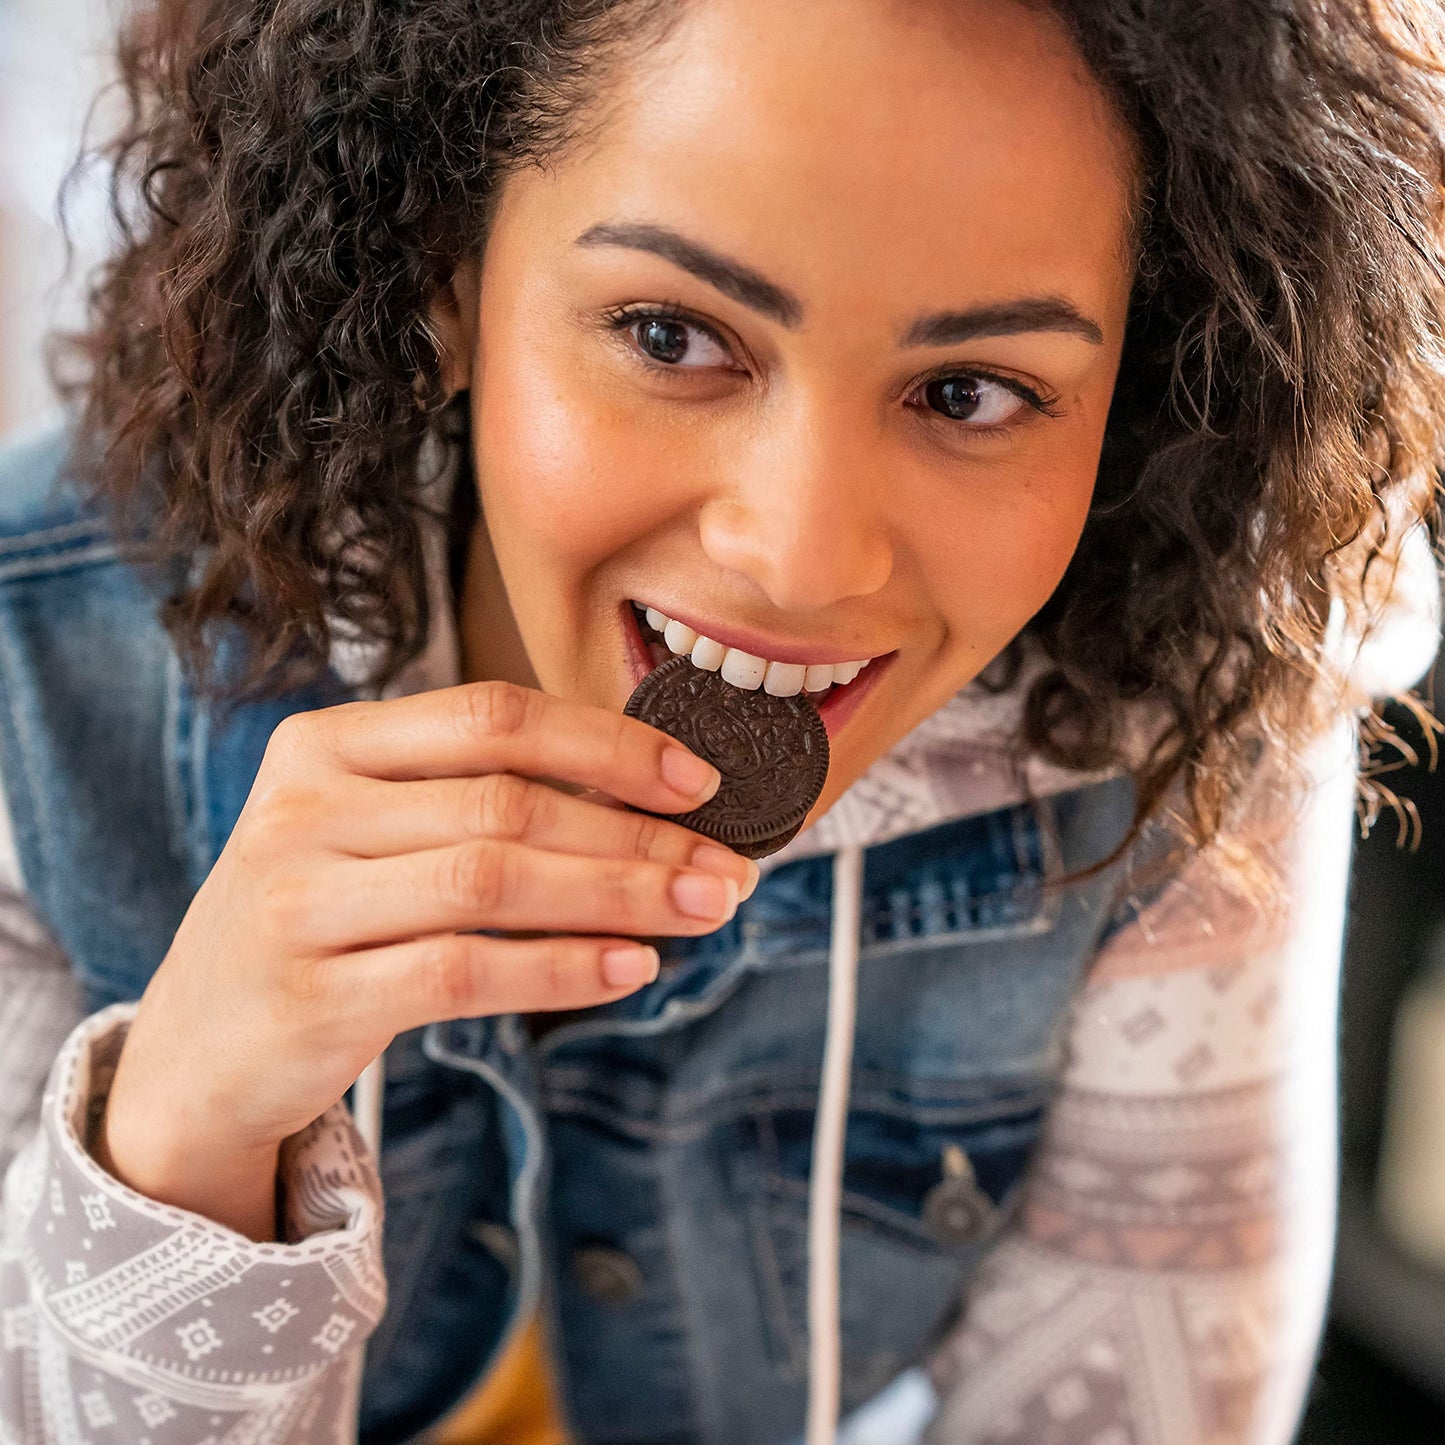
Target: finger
[471,975]
[491,727]
[359,902]
[374,819]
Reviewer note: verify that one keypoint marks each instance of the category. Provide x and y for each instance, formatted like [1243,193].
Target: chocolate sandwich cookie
[772,753]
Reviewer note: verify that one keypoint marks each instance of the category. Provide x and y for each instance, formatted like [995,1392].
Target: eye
[673,341]
[983,401]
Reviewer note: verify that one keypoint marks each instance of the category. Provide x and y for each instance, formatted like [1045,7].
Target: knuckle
[303,735]
[505,806]
[496,710]
[301,740]
[284,907]
[619,887]
[625,741]
[649,835]
[279,812]
[290,735]
[454,971]
[557,975]
[308,983]
[479,876]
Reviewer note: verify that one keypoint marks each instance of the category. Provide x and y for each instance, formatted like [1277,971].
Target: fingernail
[629,965]
[712,858]
[704,895]
[688,774]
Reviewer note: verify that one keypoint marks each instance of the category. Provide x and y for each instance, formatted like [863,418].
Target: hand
[375,836]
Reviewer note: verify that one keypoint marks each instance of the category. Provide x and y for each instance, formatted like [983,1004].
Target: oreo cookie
[772,753]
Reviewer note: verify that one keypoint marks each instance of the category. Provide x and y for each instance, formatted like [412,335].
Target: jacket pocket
[926,1189]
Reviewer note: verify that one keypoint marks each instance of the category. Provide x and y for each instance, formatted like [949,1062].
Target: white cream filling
[742,669]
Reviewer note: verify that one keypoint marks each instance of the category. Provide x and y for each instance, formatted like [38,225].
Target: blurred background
[52,63]
[1381,1373]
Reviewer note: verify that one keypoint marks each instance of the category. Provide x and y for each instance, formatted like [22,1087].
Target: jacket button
[957,1211]
[606,1275]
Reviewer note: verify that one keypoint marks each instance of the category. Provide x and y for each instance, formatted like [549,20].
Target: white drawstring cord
[366,1104]
[366,1095]
[825,1182]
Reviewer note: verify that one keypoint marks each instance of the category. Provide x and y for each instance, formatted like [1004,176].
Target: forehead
[913,142]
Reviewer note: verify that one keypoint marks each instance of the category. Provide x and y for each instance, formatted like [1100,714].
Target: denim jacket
[640,1173]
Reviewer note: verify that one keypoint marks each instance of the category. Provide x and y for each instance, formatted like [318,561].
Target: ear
[452,313]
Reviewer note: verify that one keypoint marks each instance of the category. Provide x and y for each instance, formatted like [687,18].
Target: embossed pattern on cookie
[772,753]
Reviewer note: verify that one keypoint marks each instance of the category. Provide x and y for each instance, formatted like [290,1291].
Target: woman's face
[808,347]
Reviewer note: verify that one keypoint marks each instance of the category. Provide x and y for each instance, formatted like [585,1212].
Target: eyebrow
[732,278]
[755,291]
[1008,318]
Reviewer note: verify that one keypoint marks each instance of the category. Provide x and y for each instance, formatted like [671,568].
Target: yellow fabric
[514,1405]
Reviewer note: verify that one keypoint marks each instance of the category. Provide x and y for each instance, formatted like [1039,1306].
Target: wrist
[203,1171]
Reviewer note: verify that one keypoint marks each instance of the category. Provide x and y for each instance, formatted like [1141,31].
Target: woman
[1075,368]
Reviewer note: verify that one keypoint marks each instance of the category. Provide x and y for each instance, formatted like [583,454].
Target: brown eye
[663,340]
[976,399]
[675,342]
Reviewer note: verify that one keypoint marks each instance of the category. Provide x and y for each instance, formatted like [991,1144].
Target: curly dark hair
[294,180]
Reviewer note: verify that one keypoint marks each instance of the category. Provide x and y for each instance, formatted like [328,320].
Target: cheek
[564,476]
[1005,549]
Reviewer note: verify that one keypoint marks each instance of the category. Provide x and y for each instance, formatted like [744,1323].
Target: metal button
[606,1275]
[956,1210]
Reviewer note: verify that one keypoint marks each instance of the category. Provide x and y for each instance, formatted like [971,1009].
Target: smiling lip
[840,703]
[761,646]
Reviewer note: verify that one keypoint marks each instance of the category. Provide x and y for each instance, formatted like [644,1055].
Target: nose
[804,519]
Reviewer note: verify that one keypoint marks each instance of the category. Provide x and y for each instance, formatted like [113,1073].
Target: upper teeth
[742,669]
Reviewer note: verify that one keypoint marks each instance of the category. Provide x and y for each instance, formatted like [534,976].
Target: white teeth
[708,654]
[679,638]
[818,677]
[742,669]
[784,679]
